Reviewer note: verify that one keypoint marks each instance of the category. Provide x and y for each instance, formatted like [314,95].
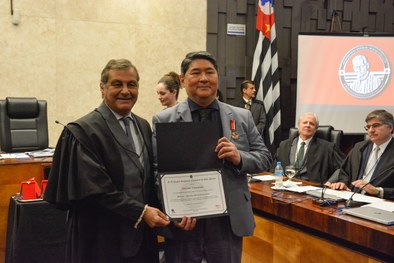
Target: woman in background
[167,89]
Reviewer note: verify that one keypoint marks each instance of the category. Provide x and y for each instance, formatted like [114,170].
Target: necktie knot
[248,104]
[205,114]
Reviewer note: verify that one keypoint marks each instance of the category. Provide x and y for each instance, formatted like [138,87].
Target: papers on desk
[345,195]
[48,152]
[301,189]
[384,205]
[264,177]
[357,197]
[13,155]
[35,154]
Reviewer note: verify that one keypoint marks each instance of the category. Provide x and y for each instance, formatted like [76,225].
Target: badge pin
[234,134]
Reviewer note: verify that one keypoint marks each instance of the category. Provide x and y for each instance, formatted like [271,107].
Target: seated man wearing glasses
[370,164]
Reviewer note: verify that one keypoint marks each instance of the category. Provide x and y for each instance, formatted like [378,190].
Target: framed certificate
[193,194]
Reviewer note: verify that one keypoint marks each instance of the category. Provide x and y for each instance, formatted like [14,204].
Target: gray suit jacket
[255,158]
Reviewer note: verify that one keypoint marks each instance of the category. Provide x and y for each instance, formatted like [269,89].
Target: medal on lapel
[234,134]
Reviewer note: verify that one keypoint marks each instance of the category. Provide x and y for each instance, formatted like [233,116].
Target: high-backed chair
[326,132]
[23,124]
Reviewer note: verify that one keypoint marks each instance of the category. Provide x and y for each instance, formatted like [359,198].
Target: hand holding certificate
[193,194]
[189,170]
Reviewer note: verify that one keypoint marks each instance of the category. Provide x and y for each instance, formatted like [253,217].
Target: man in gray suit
[255,106]
[242,150]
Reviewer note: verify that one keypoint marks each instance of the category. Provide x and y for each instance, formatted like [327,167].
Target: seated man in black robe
[369,167]
[314,159]
[102,172]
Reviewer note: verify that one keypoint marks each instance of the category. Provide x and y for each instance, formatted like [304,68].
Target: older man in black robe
[102,173]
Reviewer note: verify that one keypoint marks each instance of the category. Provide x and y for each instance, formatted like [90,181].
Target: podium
[36,232]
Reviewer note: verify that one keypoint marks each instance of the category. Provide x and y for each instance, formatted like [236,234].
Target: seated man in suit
[315,159]
[370,164]
[255,106]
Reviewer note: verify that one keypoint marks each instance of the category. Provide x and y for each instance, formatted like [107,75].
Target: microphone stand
[252,180]
[322,201]
[351,203]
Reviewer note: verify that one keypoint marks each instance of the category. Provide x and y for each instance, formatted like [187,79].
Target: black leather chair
[23,124]
[326,132]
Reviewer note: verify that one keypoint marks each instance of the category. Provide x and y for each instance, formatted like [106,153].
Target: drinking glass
[290,172]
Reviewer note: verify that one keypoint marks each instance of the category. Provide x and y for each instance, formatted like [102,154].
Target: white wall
[59,48]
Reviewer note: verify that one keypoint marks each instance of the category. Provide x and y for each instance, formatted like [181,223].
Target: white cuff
[141,216]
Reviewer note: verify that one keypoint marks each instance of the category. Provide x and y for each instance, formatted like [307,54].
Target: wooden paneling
[235,53]
[277,242]
[309,225]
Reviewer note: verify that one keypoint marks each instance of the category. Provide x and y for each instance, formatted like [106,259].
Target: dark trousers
[212,239]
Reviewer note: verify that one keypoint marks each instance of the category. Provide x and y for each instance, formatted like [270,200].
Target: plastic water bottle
[278,175]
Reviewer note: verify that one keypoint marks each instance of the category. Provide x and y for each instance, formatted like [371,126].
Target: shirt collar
[306,141]
[246,100]
[118,116]
[383,146]
[194,107]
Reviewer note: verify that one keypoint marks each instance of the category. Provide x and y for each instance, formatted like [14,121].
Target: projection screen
[343,77]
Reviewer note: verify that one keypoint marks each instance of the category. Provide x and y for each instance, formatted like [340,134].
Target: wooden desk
[12,172]
[296,226]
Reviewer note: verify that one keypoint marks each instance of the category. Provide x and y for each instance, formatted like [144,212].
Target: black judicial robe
[97,176]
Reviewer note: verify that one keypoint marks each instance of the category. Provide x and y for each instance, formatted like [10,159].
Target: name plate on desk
[193,194]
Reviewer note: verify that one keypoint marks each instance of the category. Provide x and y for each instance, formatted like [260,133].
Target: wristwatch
[380,192]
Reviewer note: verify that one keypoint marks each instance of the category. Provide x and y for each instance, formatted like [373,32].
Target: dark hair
[117,64]
[245,83]
[171,82]
[197,55]
[382,115]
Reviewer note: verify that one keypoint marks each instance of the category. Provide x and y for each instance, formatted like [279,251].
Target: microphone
[58,122]
[252,180]
[300,169]
[351,203]
[321,201]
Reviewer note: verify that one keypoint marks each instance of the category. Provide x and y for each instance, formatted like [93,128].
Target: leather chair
[23,124]
[326,132]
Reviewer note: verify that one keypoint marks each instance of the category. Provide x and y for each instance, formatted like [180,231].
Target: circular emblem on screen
[364,72]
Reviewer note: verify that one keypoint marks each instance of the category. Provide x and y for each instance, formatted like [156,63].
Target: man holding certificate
[239,149]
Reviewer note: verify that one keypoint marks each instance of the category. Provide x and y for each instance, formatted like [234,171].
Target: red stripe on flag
[264,20]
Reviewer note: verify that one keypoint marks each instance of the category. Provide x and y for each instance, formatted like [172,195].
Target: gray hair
[309,114]
[117,64]
[382,115]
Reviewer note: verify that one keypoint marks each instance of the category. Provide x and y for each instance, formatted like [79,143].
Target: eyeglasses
[374,126]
